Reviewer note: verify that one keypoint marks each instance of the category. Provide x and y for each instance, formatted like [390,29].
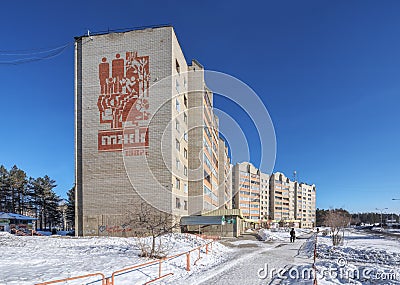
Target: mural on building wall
[123,104]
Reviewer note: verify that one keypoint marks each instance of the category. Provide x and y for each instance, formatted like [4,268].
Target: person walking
[292,235]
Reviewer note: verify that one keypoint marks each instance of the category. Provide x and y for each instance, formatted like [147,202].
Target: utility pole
[381,215]
[396,199]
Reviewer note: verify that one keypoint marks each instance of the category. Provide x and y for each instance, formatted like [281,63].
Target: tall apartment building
[246,190]
[203,144]
[133,130]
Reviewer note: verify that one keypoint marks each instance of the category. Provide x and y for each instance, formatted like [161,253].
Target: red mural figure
[124,95]
[104,74]
[117,72]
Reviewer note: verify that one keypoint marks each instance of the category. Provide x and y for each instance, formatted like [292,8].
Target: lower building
[274,199]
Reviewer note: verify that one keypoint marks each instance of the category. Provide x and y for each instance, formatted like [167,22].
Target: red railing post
[159,268]
[315,260]
[188,261]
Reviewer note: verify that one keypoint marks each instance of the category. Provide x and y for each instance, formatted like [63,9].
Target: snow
[30,260]
[280,234]
[364,258]
[267,235]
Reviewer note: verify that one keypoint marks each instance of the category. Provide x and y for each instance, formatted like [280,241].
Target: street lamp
[381,214]
[396,199]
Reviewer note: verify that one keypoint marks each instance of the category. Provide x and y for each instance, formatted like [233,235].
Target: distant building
[246,190]
[265,197]
[10,222]
[275,199]
[305,204]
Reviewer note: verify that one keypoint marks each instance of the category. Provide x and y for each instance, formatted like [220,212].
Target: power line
[54,52]
[31,51]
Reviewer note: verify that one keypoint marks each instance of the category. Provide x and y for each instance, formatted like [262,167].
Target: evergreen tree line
[34,197]
[357,218]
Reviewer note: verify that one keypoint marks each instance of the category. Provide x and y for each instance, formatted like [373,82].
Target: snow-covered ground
[280,234]
[364,258]
[31,260]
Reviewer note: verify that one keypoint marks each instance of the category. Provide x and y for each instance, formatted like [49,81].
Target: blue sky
[328,72]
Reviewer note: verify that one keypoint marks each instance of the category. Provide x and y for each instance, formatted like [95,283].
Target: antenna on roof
[88,34]
[294,175]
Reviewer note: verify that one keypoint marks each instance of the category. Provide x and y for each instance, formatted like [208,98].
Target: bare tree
[150,222]
[337,220]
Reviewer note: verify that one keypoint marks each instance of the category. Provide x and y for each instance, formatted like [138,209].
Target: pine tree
[71,207]
[4,189]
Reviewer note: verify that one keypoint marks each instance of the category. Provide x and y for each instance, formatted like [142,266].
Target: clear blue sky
[328,72]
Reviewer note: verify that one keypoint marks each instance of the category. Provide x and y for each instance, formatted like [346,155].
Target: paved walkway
[247,260]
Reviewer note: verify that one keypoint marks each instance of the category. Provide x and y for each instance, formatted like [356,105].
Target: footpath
[251,262]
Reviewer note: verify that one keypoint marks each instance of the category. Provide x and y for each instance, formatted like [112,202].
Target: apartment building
[136,139]
[292,203]
[305,204]
[265,197]
[272,199]
[225,176]
[203,145]
[246,190]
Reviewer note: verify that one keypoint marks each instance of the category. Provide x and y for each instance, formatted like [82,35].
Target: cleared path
[247,260]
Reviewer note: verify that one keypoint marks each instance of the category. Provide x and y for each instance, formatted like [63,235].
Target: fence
[315,259]
[111,280]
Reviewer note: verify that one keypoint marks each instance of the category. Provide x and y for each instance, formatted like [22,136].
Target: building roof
[13,216]
[125,30]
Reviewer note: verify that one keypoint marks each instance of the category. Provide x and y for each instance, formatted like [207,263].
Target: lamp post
[381,215]
[396,199]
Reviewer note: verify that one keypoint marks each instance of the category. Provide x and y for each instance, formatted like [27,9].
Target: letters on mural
[124,103]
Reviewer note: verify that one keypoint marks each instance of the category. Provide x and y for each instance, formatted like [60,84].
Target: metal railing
[111,280]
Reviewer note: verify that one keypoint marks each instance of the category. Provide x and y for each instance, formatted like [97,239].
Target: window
[207,176]
[185,101]
[185,205]
[185,171]
[185,118]
[185,136]
[177,126]
[177,203]
[185,153]
[185,188]
[178,164]
[177,105]
[177,184]
[178,68]
[177,145]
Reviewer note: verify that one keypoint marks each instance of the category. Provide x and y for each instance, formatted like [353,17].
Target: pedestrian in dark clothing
[292,235]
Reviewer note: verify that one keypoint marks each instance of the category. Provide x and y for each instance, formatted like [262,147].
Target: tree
[149,221]
[45,201]
[337,220]
[70,215]
[320,217]
[18,183]
[4,189]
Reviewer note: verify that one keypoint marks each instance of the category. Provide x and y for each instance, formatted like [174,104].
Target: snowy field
[363,258]
[31,260]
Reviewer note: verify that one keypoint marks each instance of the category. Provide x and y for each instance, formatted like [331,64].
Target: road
[248,259]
